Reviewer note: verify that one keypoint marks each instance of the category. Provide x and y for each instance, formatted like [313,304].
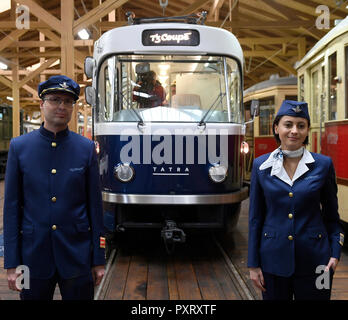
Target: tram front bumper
[159,199]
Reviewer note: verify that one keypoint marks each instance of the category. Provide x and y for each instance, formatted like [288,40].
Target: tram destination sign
[170,37]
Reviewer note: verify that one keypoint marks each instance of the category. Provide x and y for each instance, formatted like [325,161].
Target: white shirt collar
[273,161]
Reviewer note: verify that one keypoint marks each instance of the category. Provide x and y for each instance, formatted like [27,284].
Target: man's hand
[98,274]
[11,278]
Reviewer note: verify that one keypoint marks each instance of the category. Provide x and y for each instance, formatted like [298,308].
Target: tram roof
[271,83]
[341,28]
[128,40]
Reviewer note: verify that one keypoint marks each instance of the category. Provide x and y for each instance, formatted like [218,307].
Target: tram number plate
[172,37]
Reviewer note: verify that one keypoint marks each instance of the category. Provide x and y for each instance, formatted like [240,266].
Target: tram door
[317,111]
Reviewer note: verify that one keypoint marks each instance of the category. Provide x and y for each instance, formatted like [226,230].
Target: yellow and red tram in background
[269,94]
[323,83]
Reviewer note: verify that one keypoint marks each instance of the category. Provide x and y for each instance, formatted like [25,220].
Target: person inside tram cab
[53,214]
[154,94]
[295,236]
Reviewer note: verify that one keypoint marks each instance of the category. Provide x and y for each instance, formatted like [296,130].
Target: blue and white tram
[174,162]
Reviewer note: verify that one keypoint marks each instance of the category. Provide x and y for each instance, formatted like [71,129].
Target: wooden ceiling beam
[34,25]
[334,8]
[259,12]
[46,44]
[96,14]
[269,40]
[217,4]
[307,8]
[286,12]
[6,81]
[264,25]
[282,64]
[42,14]
[46,54]
[147,9]
[263,53]
[79,57]
[252,77]
[197,4]
[37,71]
[32,91]
[12,37]
[313,32]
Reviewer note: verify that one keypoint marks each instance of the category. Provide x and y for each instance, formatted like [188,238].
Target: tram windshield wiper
[212,107]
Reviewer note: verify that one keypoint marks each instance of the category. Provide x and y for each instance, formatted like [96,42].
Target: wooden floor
[145,271]
[132,284]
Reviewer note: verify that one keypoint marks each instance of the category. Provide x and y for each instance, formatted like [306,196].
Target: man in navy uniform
[294,224]
[53,208]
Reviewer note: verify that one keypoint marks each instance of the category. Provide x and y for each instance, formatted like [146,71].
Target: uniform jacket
[293,224]
[53,215]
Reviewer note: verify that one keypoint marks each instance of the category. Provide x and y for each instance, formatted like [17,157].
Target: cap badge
[297,109]
[64,85]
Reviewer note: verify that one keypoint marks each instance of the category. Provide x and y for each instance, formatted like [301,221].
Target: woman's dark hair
[276,136]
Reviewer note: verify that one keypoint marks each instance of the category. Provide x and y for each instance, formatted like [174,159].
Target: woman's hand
[256,277]
[333,262]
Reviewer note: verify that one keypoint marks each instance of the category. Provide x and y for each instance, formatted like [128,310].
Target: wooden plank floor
[194,272]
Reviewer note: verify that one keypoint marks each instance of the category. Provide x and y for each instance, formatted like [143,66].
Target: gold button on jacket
[291,194]
[54,199]
[290,215]
[53,144]
[290,237]
[53,171]
[54,227]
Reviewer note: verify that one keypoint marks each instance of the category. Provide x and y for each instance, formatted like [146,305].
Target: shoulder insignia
[341,239]
[102,242]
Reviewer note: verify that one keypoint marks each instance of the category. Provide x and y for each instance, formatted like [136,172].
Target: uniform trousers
[80,288]
[295,287]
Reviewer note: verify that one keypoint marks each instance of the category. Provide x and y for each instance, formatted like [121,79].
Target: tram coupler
[171,235]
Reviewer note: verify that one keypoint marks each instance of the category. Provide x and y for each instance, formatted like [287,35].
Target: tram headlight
[218,173]
[124,172]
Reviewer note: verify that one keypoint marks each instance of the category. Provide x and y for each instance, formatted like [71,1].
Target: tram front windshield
[169,89]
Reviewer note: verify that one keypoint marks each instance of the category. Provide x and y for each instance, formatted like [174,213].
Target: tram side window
[267,110]
[301,97]
[333,86]
[235,99]
[315,96]
[106,112]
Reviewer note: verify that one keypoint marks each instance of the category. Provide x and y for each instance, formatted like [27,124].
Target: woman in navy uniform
[294,227]
[53,221]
